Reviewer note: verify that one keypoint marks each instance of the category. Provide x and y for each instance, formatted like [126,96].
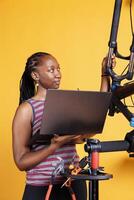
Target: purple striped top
[41,174]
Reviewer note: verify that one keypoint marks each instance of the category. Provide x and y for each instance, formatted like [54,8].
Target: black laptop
[73,112]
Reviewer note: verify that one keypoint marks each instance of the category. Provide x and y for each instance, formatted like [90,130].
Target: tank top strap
[30,101]
[37,108]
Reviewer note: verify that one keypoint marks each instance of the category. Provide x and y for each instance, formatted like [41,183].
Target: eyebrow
[58,66]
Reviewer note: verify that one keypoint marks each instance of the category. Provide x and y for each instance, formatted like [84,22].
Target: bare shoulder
[24,111]
[21,125]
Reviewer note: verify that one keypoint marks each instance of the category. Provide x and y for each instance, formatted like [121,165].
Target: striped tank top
[41,174]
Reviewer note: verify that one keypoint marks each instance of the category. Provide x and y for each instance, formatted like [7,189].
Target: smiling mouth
[57,82]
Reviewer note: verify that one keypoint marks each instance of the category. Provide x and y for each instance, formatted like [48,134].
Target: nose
[57,74]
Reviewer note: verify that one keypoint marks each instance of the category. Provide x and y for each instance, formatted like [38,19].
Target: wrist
[104,71]
[103,75]
[56,145]
[53,147]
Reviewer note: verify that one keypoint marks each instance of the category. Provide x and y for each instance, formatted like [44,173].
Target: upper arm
[21,129]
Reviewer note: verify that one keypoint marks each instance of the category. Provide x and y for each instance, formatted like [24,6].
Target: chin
[56,87]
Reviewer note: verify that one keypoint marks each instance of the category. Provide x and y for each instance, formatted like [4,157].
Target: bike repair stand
[94,173]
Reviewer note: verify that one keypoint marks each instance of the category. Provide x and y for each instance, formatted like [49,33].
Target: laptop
[73,112]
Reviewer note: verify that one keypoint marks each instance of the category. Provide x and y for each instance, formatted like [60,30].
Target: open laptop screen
[74,112]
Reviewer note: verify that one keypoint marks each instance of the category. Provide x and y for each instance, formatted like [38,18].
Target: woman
[42,72]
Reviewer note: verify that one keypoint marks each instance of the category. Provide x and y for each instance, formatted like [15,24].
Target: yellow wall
[76,33]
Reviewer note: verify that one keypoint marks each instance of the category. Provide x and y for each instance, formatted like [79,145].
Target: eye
[51,70]
[58,69]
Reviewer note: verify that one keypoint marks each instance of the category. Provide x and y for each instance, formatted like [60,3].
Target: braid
[27,86]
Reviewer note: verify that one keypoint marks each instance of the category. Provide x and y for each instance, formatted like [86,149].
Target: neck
[41,93]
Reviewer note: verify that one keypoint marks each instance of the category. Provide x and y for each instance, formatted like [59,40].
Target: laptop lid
[74,112]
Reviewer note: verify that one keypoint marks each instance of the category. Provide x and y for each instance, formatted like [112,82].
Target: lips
[57,82]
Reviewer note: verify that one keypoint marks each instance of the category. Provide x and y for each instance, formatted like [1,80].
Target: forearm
[30,159]
[105,84]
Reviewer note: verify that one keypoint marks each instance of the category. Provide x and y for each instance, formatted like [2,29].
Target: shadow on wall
[127,2]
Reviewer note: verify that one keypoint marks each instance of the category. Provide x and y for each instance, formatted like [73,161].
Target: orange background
[77,34]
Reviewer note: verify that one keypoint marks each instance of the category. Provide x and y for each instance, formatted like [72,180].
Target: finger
[77,137]
[113,55]
[113,63]
[56,136]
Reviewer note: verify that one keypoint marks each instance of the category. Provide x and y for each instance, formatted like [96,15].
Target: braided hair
[27,85]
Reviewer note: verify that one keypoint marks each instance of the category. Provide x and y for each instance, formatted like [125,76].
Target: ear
[35,76]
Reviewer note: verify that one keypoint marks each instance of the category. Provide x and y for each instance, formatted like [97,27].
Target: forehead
[48,61]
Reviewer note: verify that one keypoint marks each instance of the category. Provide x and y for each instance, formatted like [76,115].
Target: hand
[81,138]
[104,64]
[61,140]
